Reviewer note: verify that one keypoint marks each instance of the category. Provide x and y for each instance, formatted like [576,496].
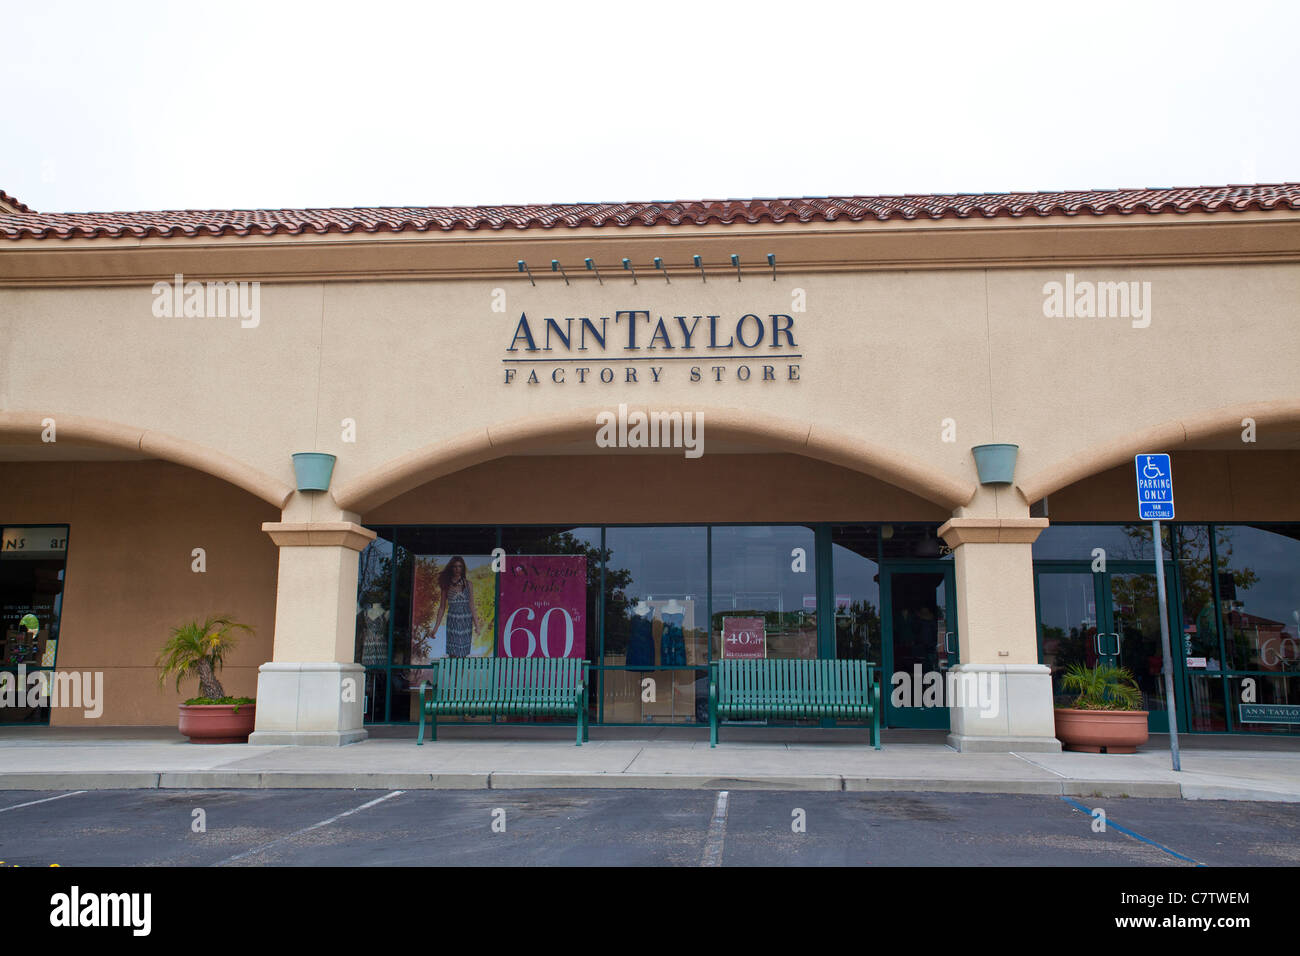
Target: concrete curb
[515,780]
[1121,788]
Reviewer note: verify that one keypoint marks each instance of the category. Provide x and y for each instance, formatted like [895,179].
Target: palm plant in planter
[1107,715]
[198,649]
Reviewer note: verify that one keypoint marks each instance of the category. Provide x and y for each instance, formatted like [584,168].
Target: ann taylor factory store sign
[633,346]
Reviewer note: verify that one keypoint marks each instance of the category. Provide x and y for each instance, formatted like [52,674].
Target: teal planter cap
[313,469]
[996,464]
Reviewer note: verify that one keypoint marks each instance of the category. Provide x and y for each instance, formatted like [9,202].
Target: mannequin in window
[374,647]
[640,641]
[672,643]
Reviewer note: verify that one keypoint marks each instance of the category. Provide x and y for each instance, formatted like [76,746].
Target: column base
[315,704]
[999,745]
[277,738]
[999,708]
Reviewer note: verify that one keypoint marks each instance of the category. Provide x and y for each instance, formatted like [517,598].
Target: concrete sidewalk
[749,758]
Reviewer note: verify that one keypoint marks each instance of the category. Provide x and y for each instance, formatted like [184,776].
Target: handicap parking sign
[1155,487]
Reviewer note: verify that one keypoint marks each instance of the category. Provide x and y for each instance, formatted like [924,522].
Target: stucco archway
[25,427]
[1168,436]
[771,432]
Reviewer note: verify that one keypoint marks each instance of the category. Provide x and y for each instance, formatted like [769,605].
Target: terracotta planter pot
[1101,731]
[217,723]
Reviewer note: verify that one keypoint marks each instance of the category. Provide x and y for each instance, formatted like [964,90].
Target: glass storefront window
[1126,542]
[1200,631]
[1258,578]
[33,562]
[904,542]
[1266,704]
[656,609]
[425,626]
[854,552]
[374,599]
[656,582]
[580,552]
[768,574]
[559,566]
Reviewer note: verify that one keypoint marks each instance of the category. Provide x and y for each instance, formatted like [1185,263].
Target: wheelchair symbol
[1151,470]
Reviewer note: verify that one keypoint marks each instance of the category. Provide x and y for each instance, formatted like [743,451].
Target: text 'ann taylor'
[633,346]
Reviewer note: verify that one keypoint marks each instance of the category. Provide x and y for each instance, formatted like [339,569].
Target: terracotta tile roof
[245,222]
[10,202]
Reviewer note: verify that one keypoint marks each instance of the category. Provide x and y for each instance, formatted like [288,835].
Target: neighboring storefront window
[1234,616]
[1258,580]
[33,562]
[1118,542]
[1200,630]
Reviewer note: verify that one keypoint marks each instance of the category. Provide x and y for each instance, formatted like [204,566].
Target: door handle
[947,642]
[1115,634]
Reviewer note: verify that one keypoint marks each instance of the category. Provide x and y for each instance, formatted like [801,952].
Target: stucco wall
[626,488]
[1208,486]
[133,527]
[886,357]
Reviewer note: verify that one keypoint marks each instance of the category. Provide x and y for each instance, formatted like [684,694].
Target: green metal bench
[505,686]
[792,689]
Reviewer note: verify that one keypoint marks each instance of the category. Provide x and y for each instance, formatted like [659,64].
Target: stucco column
[310,692]
[1002,698]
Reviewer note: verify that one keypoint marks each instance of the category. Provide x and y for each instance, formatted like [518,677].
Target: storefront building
[651,435]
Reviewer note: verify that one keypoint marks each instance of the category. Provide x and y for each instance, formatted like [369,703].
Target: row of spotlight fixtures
[628,267]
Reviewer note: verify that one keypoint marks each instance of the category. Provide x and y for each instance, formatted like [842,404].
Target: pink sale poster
[543,609]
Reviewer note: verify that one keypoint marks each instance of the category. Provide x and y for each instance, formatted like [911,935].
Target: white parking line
[32,803]
[314,826]
[717,832]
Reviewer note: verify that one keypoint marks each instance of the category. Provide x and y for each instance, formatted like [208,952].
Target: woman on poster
[456,600]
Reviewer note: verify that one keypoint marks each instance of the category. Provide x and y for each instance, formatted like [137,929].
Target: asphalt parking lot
[632,827]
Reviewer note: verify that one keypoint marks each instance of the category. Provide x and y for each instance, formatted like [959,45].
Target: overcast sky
[277,104]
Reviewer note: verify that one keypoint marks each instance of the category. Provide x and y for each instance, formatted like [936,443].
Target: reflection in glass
[1266,704]
[1205,702]
[1127,542]
[857,592]
[1258,578]
[767,572]
[1067,619]
[656,581]
[1135,617]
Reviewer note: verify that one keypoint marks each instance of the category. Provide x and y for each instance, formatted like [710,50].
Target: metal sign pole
[1164,644]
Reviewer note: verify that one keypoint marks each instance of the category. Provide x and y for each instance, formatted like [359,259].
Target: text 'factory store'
[654,436]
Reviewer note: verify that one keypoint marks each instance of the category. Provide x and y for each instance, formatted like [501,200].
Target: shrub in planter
[1107,715]
[198,649]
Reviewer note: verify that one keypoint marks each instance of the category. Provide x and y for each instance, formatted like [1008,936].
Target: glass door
[920,642]
[1109,617]
[1134,627]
